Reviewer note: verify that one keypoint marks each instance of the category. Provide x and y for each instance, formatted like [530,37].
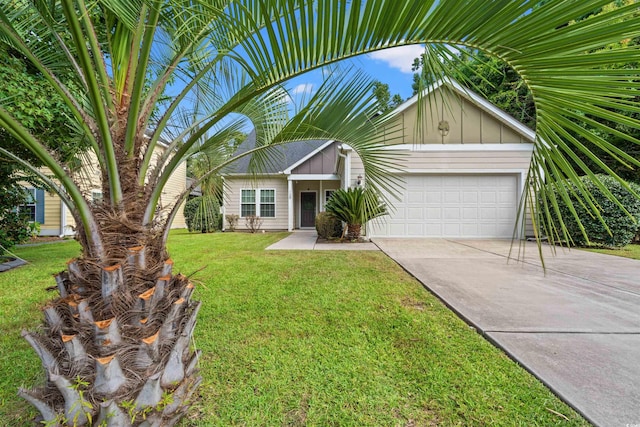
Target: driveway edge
[491,340]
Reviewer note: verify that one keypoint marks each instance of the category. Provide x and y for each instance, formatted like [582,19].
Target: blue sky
[390,66]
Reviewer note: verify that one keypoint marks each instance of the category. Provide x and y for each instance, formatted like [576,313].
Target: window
[263,206]
[327,195]
[248,203]
[268,203]
[96,197]
[30,206]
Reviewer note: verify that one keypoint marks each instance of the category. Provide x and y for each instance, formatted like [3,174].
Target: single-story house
[54,217]
[463,174]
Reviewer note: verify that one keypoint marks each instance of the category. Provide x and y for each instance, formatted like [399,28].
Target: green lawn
[629,251]
[305,338]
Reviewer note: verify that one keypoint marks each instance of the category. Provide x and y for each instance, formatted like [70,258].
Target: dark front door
[307,209]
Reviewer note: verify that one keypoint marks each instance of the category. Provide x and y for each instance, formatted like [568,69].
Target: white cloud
[303,88]
[400,58]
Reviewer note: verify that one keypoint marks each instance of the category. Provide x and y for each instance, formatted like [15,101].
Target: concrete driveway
[577,327]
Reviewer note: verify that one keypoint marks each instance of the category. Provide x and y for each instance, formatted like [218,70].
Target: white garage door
[452,206]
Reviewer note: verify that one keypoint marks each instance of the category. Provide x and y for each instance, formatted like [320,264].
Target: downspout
[223,208]
[63,219]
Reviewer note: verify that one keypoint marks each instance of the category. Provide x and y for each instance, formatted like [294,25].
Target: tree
[383,97]
[117,340]
[43,112]
[202,213]
[490,76]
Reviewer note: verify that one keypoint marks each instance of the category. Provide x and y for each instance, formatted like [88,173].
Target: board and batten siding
[233,188]
[323,162]
[468,124]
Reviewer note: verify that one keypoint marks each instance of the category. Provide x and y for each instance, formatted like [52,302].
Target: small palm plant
[355,206]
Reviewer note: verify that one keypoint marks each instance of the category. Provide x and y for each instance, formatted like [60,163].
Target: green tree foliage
[355,206]
[492,77]
[383,97]
[202,214]
[39,108]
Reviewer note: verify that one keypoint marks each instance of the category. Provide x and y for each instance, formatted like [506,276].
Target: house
[463,173]
[54,217]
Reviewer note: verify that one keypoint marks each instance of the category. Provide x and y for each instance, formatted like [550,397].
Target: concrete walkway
[305,240]
[577,327]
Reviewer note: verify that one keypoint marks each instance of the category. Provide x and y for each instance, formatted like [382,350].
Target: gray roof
[278,158]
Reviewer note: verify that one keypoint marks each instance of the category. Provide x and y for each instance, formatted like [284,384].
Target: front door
[307,209]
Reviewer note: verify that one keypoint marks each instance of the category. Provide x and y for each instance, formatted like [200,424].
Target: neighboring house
[55,218]
[463,174]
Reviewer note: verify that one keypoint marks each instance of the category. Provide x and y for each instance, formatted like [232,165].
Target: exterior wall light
[443,127]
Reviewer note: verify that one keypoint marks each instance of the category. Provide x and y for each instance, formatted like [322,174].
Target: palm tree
[355,207]
[115,345]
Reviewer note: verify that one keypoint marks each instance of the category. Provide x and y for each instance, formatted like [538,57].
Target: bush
[328,226]
[623,228]
[232,221]
[253,223]
[203,214]
[15,227]
[189,211]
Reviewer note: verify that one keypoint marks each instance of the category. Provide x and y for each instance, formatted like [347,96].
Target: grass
[629,251]
[317,338]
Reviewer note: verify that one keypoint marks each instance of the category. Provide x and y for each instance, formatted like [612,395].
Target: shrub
[15,227]
[232,221]
[328,226]
[622,227]
[202,214]
[355,206]
[253,223]
[189,211]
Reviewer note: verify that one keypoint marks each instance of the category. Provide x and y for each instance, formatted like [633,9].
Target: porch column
[290,202]
[321,199]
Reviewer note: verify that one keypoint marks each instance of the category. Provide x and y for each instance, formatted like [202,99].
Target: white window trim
[95,193]
[257,202]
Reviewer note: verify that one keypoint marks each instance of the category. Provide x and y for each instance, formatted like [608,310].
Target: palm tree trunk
[115,344]
[353,231]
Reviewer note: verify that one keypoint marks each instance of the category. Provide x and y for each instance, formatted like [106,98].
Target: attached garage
[453,206]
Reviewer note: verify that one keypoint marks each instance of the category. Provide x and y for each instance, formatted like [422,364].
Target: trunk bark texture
[353,231]
[115,346]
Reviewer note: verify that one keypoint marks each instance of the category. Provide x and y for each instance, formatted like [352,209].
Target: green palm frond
[355,206]
[226,54]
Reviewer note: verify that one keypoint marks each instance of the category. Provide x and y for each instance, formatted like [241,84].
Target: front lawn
[629,251]
[305,338]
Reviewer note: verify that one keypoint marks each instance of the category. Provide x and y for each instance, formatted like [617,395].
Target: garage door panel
[452,206]
[433,213]
[470,213]
[415,213]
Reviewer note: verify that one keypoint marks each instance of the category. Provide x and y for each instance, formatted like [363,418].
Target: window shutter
[40,206]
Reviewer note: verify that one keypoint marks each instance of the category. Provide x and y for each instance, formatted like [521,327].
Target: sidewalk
[305,240]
